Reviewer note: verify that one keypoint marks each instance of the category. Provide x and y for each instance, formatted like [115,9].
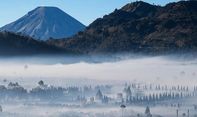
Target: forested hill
[15,44]
[139,27]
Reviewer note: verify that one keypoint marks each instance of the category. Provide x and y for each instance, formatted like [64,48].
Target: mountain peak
[136,5]
[45,22]
[47,9]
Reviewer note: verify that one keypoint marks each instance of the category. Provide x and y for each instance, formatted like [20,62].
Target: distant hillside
[139,27]
[13,44]
[45,22]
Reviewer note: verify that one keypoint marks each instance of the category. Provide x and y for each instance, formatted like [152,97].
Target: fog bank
[144,69]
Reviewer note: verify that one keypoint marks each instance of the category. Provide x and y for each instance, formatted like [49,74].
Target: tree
[147,111]
[184,114]
[1,110]
[41,83]
[99,95]
[122,107]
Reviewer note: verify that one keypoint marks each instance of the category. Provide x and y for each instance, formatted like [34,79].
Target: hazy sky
[85,11]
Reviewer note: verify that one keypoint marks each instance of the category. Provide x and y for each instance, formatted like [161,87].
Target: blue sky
[85,11]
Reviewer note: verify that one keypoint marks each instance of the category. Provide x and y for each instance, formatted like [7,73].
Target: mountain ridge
[158,29]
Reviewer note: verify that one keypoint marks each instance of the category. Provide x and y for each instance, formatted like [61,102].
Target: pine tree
[147,111]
